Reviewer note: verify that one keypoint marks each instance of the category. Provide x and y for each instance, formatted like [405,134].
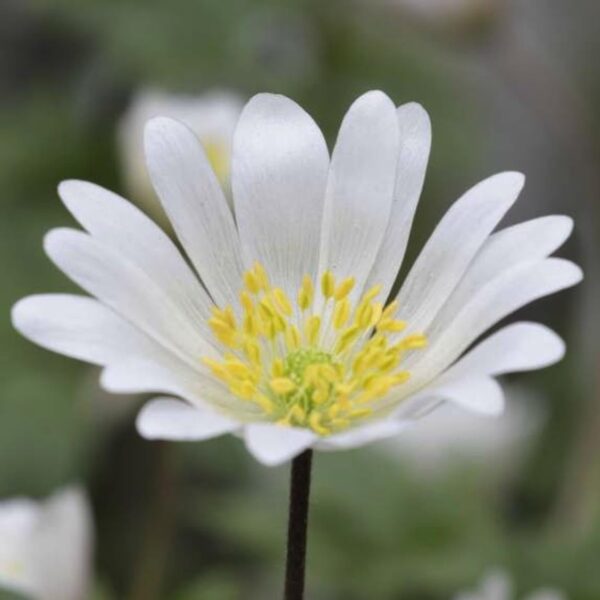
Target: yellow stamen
[344,288]
[282,385]
[324,371]
[328,284]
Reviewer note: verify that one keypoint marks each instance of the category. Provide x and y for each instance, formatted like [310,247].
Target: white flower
[286,341]
[46,547]
[446,12]
[496,585]
[212,116]
[451,436]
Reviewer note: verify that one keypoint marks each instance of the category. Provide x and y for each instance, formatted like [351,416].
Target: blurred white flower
[287,341]
[46,547]
[451,436]
[446,14]
[212,116]
[497,585]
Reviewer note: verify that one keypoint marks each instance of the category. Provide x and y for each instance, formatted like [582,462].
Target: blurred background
[509,84]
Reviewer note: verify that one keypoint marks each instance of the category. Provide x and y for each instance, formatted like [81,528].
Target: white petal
[479,394]
[120,225]
[546,594]
[452,246]
[360,188]
[452,333]
[362,436]
[279,173]
[415,143]
[196,206]
[517,347]
[274,444]
[170,419]
[84,328]
[76,326]
[159,373]
[127,289]
[63,546]
[503,251]
[46,547]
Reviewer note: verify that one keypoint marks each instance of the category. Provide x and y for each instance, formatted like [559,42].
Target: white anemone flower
[446,12]
[212,116]
[496,585]
[46,547]
[279,329]
[452,437]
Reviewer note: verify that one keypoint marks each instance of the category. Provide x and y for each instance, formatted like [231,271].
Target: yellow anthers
[217,368]
[372,293]
[256,279]
[311,331]
[376,314]
[390,310]
[323,370]
[306,293]
[292,337]
[315,424]
[327,285]
[344,288]
[346,338]
[391,325]
[251,282]
[246,301]
[414,341]
[261,276]
[282,385]
[277,368]
[282,302]
[341,313]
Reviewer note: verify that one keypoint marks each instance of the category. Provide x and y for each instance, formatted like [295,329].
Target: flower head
[45,547]
[283,329]
[212,116]
[497,585]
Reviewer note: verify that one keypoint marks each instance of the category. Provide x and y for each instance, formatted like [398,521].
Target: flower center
[321,363]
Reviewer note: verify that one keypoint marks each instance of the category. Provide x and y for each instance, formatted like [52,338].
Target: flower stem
[297,526]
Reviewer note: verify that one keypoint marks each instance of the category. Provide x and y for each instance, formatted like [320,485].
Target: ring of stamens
[320,369]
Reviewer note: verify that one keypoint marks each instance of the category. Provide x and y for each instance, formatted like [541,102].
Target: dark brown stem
[297,526]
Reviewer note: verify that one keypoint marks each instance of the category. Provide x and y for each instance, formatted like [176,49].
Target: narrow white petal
[453,332]
[361,436]
[415,144]
[479,394]
[76,326]
[195,204]
[127,289]
[360,188]
[274,444]
[120,225]
[279,173]
[503,251]
[85,329]
[452,246]
[158,372]
[517,347]
[170,419]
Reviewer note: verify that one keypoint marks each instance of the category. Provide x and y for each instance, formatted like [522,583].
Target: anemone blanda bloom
[287,341]
[212,116]
[496,585]
[46,547]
